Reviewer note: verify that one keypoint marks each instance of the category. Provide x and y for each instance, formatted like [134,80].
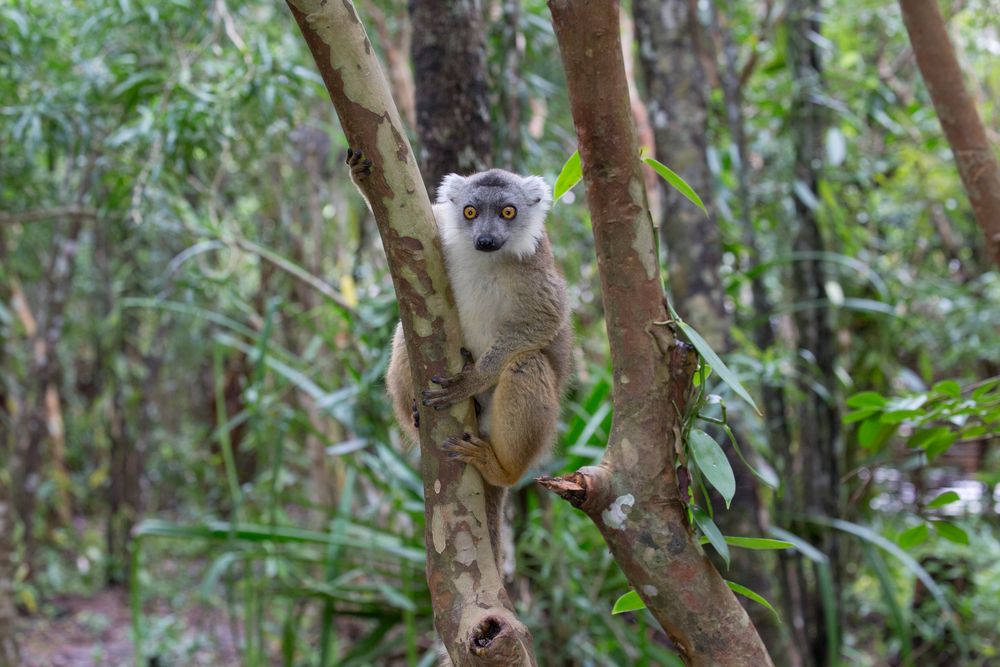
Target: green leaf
[858,415]
[754,543]
[872,537]
[951,532]
[712,532]
[866,399]
[756,597]
[945,498]
[911,537]
[709,355]
[570,175]
[940,444]
[984,389]
[628,602]
[873,434]
[679,184]
[948,388]
[712,463]
[758,543]
[766,474]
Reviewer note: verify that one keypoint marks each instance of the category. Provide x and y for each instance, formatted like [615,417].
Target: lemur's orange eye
[508,212]
[470,212]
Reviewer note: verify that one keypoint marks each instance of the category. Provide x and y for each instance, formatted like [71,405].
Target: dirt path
[96,632]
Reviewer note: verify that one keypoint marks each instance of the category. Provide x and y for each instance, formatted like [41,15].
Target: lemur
[514,314]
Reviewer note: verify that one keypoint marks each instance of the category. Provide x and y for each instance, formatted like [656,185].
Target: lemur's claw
[439,399]
[446,382]
[465,449]
[361,167]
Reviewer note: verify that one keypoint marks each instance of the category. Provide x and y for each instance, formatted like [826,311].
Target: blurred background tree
[192,340]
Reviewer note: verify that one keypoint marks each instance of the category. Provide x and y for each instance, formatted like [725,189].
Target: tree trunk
[675,97]
[46,371]
[633,495]
[956,109]
[9,654]
[472,611]
[815,487]
[674,83]
[453,106]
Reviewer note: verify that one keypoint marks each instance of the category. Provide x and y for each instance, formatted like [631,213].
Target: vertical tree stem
[472,612]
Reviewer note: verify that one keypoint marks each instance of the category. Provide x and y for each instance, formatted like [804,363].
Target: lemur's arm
[531,328]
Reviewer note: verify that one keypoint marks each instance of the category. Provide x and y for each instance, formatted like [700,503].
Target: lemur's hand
[459,387]
[361,167]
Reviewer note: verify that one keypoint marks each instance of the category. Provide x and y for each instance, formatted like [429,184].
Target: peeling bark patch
[642,243]
[465,550]
[630,455]
[617,513]
[466,585]
[650,591]
[437,486]
[471,485]
[438,528]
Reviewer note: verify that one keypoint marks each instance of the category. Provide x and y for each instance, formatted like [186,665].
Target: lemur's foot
[479,453]
[468,449]
[458,387]
[361,167]
[416,414]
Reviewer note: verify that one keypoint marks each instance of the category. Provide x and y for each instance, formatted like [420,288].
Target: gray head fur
[488,193]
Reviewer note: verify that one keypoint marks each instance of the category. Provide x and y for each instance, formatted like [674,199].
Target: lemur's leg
[523,418]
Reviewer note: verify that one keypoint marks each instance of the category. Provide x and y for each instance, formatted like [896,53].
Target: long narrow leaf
[713,360]
[569,176]
[670,176]
[756,597]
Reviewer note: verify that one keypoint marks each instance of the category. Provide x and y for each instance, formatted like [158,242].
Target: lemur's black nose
[487,243]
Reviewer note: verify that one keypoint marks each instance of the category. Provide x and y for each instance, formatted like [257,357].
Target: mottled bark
[472,611]
[675,97]
[449,67]
[633,495]
[675,89]
[815,489]
[956,109]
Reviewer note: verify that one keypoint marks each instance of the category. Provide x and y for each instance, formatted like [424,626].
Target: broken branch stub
[472,612]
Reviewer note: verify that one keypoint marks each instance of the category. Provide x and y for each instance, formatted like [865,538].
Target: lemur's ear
[449,188]
[538,191]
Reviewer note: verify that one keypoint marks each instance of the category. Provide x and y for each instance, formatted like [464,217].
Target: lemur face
[496,211]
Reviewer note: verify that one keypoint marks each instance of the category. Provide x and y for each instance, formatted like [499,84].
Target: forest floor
[96,631]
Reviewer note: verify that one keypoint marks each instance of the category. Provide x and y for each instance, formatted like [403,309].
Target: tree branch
[633,496]
[956,109]
[472,612]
